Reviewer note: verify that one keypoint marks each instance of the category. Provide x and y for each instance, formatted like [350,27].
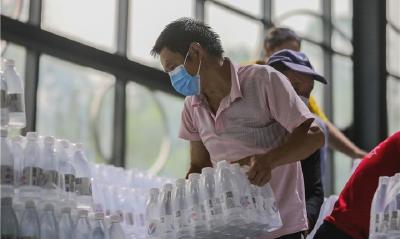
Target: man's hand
[260,169]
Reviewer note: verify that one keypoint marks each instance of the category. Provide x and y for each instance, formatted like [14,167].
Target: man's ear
[197,52]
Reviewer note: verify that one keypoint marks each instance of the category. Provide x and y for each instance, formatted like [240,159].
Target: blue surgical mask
[183,82]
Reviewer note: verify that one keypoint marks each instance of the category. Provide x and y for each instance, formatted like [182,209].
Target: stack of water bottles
[123,192]
[385,209]
[218,203]
[46,191]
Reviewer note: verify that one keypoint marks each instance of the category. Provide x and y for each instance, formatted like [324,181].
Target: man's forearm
[338,141]
[194,168]
[300,144]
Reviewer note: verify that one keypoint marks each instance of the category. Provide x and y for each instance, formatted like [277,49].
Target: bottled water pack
[218,203]
[385,209]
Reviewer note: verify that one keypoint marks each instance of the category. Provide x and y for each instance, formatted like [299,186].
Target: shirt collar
[235,93]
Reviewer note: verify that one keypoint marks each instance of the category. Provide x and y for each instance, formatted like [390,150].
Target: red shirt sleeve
[351,212]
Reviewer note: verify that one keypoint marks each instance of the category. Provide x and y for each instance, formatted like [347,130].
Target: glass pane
[285,6]
[393,51]
[342,84]
[249,6]
[342,14]
[92,22]
[243,42]
[305,26]
[16,9]
[76,103]
[145,27]
[178,160]
[393,104]
[393,12]
[18,54]
[291,14]
[342,168]
[152,143]
[145,127]
[316,56]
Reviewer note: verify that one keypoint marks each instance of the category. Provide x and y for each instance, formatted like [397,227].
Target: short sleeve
[285,105]
[188,130]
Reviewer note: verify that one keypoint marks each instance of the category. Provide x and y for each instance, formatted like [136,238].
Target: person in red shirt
[350,217]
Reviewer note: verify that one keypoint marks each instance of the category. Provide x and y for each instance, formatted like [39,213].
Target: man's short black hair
[178,35]
[276,36]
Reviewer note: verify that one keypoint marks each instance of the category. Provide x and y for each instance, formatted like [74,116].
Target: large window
[240,37]
[147,19]
[152,143]
[91,21]
[393,64]
[76,103]
[16,9]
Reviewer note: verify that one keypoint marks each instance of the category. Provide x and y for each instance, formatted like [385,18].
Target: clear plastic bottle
[166,212]
[212,201]
[51,184]
[30,225]
[15,95]
[230,195]
[4,116]
[7,166]
[32,171]
[66,225]
[48,223]
[67,173]
[249,213]
[197,213]
[116,231]
[82,229]
[9,223]
[99,230]
[153,214]
[17,150]
[181,209]
[378,206]
[269,212]
[98,190]
[83,179]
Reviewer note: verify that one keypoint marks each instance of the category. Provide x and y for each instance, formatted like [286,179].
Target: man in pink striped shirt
[249,114]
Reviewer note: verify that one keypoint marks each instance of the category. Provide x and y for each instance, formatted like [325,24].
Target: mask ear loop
[198,70]
[184,62]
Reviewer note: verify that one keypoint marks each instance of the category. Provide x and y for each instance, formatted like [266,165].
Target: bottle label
[15,103]
[168,205]
[168,225]
[269,206]
[152,228]
[69,182]
[121,216]
[246,202]
[141,219]
[50,179]
[3,98]
[32,176]
[198,213]
[130,219]
[215,206]
[7,175]
[83,186]
[181,220]
[229,200]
